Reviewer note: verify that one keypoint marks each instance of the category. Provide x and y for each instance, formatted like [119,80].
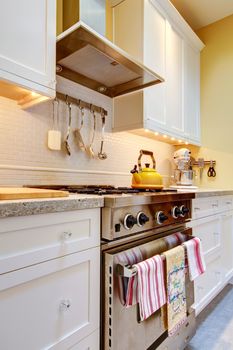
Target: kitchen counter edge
[202,193]
[26,207]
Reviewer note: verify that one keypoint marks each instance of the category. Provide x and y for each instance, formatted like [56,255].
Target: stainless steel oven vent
[88,58]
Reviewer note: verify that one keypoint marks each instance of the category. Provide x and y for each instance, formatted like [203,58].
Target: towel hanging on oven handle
[125,270]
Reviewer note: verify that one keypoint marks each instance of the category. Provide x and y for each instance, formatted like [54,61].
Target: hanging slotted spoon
[89,149]
[102,155]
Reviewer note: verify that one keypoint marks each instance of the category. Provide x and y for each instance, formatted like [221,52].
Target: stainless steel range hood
[88,58]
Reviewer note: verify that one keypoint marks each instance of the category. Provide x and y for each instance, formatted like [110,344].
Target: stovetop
[102,189]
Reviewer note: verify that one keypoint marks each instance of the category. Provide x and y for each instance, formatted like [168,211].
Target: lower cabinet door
[209,284]
[227,245]
[52,305]
[209,231]
[89,343]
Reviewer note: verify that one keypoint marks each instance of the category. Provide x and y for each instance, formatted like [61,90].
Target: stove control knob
[183,210]
[142,219]
[176,212]
[129,221]
[161,217]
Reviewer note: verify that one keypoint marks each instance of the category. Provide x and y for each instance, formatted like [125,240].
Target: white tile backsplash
[26,159]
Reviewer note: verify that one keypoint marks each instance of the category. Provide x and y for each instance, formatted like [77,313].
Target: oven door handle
[125,270]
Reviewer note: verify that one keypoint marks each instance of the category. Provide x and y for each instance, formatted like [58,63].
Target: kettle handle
[146,153]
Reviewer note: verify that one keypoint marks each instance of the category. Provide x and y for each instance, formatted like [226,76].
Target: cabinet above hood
[88,58]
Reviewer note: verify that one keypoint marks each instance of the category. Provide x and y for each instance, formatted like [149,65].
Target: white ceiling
[199,13]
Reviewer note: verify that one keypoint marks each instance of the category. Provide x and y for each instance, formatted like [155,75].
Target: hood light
[102,89]
[58,68]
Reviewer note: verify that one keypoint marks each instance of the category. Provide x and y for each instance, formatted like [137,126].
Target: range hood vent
[88,58]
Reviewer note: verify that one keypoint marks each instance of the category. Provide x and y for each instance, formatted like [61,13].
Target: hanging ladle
[102,155]
[89,149]
[77,132]
[66,141]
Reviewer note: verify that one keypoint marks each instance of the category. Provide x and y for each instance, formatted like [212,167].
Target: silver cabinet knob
[66,235]
[65,305]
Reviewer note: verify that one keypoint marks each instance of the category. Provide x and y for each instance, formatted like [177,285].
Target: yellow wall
[217,101]
[108,20]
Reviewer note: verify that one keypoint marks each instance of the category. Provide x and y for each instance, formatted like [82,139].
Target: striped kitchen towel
[151,288]
[127,287]
[175,239]
[196,262]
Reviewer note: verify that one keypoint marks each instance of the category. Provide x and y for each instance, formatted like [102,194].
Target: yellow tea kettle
[146,178]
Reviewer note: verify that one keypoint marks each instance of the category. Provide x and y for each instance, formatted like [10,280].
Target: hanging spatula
[54,135]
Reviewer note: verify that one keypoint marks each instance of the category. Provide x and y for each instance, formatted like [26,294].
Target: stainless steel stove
[132,218]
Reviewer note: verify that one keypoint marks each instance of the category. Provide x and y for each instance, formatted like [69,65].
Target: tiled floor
[215,324]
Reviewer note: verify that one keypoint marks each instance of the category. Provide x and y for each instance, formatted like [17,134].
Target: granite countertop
[209,192]
[24,207]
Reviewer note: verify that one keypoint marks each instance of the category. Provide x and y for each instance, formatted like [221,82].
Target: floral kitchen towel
[176,312]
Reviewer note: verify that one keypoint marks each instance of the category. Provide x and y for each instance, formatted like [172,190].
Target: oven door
[120,327]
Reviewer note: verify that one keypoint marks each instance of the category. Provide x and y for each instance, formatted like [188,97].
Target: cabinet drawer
[89,343]
[202,207]
[209,231]
[225,203]
[52,305]
[32,239]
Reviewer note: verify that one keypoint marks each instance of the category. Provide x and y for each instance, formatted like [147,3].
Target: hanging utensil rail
[81,103]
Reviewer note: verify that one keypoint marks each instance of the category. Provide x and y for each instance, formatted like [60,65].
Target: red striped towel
[196,262]
[175,239]
[151,288]
[127,287]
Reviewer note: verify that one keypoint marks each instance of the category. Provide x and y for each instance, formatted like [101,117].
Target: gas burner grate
[100,189]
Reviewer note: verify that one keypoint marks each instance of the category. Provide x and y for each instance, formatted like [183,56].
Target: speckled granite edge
[35,207]
[212,193]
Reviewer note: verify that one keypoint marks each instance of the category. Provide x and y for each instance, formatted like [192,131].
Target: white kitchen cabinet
[227,245]
[89,343]
[50,281]
[191,83]
[28,44]
[174,82]
[29,240]
[51,305]
[165,43]
[148,25]
[213,224]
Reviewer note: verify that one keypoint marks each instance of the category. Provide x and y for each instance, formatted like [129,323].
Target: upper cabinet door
[155,59]
[192,92]
[28,41]
[174,81]
[154,38]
